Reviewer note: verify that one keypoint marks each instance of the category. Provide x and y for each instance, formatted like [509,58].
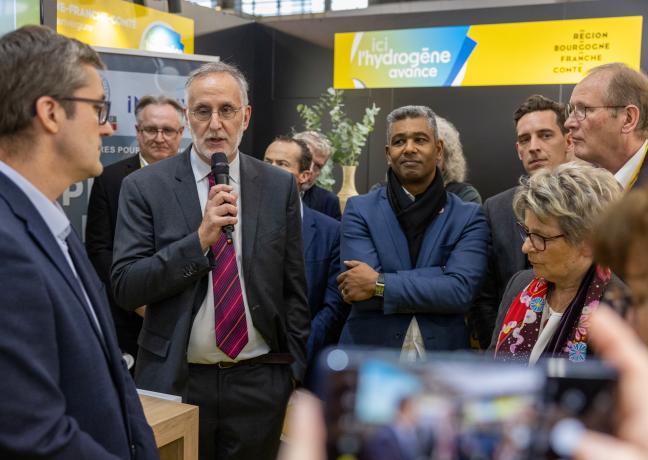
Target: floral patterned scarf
[521,326]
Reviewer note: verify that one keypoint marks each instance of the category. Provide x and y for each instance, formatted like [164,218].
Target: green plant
[347,137]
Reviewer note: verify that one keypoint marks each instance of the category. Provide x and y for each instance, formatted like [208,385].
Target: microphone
[220,170]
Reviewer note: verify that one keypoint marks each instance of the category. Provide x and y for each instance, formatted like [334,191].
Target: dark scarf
[415,216]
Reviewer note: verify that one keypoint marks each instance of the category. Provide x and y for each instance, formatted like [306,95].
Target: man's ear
[49,114]
[631,119]
[304,177]
[387,155]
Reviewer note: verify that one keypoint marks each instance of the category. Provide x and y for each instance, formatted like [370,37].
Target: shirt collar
[201,169]
[627,171]
[51,211]
[143,162]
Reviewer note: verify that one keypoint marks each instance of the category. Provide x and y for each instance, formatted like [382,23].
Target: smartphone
[453,406]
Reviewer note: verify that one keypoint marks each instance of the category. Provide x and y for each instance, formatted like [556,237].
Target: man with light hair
[159,127]
[608,121]
[542,141]
[227,316]
[314,196]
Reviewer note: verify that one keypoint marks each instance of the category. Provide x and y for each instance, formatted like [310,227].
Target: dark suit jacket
[505,258]
[322,257]
[158,261]
[642,178]
[100,234]
[519,281]
[439,290]
[322,200]
[66,392]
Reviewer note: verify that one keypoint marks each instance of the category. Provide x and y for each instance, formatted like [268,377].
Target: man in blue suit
[415,256]
[321,235]
[66,392]
[314,196]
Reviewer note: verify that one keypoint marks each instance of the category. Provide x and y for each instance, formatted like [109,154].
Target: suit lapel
[42,236]
[308,228]
[252,185]
[186,191]
[397,237]
[431,234]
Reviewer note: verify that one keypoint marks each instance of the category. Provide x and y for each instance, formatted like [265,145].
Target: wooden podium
[175,426]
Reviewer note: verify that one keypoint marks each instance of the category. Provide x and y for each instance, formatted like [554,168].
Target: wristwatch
[379,290]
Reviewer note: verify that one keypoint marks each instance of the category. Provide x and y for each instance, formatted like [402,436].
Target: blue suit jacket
[321,235]
[66,392]
[439,290]
[322,200]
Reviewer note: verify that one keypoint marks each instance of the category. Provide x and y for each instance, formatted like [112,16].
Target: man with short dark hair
[314,196]
[415,255]
[321,235]
[226,321]
[608,121]
[160,123]
[542,141]
[66,393]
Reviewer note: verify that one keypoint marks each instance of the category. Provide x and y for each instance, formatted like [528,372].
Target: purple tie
[229,311]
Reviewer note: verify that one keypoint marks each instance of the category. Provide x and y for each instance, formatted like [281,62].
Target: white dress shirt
[628,170]
[202,347]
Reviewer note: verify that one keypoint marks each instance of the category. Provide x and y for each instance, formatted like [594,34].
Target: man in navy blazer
[314,196]
[66,392]
[415,255]
[321,235]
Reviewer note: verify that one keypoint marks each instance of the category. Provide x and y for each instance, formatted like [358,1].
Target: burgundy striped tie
[229,311]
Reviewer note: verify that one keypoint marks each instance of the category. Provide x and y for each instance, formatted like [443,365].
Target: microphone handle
[227,229]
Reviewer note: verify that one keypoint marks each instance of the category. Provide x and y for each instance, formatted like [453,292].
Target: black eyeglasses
[580,113]
[151,133]
[102,106]
[538,242]
[205,113]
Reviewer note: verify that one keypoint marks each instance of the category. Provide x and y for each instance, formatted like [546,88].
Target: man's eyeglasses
[151,133]
[224,113]
[102,106]
[580,113]
[538,242]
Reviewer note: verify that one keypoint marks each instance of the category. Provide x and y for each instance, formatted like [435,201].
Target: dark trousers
[241,409]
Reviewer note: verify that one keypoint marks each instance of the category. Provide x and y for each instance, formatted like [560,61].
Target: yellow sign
[120,24]
[524,53]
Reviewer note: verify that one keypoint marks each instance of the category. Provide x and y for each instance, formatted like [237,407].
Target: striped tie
[229,311]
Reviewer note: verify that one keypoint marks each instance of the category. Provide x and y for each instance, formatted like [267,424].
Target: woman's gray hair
[574,193]
[454,162]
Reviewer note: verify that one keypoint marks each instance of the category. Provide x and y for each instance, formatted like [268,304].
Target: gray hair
[35,61]
[454,163]
[221,67]
[411,111]
[317,142]
[626,86]
[158,100]
[574,193]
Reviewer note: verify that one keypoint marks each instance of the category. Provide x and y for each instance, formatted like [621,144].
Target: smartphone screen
[450,407]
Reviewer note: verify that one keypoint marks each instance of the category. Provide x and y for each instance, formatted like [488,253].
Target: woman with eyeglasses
[545,312]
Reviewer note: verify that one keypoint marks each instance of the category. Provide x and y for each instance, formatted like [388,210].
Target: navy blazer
[66,392]
[438,290]
[321,235]
[322,200]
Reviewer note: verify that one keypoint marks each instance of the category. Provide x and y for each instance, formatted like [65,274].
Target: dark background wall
[290,61]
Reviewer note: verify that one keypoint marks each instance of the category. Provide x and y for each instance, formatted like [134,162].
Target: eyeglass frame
[571,109]
[525,233]
[219,111]
[152,136]
[104,112]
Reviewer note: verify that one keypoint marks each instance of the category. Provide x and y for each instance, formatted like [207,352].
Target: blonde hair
[454,162]
[575,194]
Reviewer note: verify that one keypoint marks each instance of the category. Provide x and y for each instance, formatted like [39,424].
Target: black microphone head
[219,164]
